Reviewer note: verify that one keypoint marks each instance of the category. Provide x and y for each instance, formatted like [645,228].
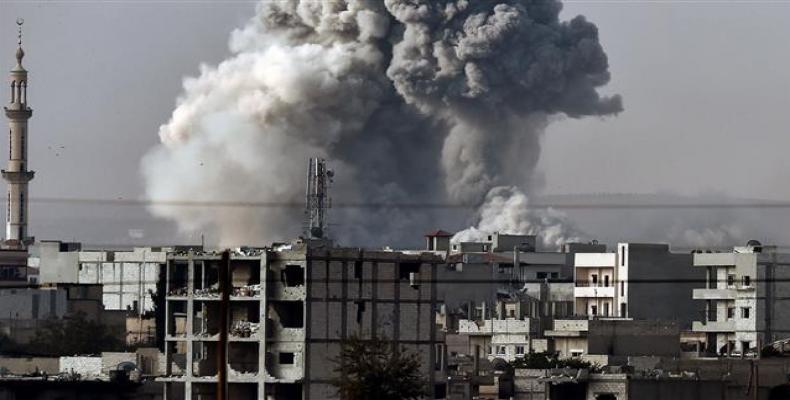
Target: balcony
[713,326]
[585,290]
[500,326]
[713,294]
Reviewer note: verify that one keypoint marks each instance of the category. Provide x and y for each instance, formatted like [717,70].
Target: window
[286,358]
[594,310]
[730,312]
[622,288]
[745,346]
[555,275]
[745,312]
[519,350]
[576,353]
[292,275]
[358,269]
[512,313]
[541,275]
[594,278]
[406,268]
[360,310]
[730,280]
[501,350]
[623,310]
[606,309]
[606,280]
[747,280]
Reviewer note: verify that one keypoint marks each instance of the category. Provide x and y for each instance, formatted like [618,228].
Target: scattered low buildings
[24,311]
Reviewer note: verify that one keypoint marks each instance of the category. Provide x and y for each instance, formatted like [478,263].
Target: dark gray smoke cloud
[410,101]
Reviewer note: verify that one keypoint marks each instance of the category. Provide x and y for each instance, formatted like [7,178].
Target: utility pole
[222,345]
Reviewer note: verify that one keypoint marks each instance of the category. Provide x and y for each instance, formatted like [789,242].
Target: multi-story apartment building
[128,277]
[747,298]
[637,281]
[287,310]
[509,331]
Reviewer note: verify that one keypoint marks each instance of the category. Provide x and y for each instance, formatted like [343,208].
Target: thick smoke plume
[411,102]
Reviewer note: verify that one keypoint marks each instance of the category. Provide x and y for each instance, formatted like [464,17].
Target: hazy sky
[706,89]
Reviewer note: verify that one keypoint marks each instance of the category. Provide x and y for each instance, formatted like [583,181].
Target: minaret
[16,175]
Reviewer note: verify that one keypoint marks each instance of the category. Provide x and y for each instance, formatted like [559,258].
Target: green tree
[72,335]
[375,368]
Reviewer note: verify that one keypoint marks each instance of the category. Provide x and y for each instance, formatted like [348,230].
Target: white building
[128,276]
[746,296]
[508,331]
[638,281]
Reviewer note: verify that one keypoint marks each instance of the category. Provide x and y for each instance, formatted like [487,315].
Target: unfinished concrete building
[288,308]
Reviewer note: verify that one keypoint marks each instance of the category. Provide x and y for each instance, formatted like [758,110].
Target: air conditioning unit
[414,279]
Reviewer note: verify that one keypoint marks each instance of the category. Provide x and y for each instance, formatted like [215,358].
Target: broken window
[287,358]
[358,269]
[292,275]
[405,269]
[290,314]
[360,310]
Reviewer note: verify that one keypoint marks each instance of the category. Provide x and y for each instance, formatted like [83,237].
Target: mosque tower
[16,173]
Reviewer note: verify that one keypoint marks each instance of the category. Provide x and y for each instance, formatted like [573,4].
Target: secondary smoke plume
[410,101]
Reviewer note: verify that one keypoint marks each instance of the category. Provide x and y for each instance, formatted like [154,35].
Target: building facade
[128,277]
[637,281]
[746,298]
[288,310]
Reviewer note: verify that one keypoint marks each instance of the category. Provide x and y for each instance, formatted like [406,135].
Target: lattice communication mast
[317,199]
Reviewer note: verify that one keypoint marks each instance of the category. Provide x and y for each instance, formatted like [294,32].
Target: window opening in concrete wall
[243,358]
[205,321]
[360,310]
[178,274]
[745,312]
[204,358]
[283,391]
[290,314]
[407,268]
[358,269]
[292,275]
[245,278]
[747,280]
[245,318]
[177,318]
[286,358]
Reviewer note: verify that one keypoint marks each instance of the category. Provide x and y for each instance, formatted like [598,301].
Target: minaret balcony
[18,176]
[18,113]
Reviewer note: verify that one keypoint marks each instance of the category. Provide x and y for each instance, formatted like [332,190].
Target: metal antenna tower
[317,199]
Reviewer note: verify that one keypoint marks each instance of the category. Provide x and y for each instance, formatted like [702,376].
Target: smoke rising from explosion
[409,101]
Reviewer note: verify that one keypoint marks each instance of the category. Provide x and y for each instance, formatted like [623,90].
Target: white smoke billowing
[506,209]
[410,101]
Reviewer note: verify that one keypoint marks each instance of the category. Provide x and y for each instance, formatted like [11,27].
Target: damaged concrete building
[288,308]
